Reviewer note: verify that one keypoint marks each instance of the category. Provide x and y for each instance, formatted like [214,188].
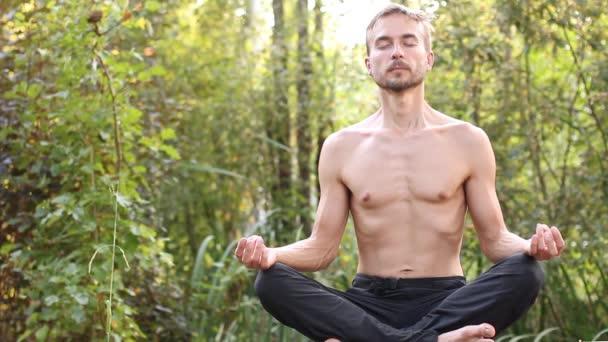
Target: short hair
[418,16]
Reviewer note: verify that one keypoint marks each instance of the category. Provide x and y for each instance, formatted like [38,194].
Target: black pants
[386,309]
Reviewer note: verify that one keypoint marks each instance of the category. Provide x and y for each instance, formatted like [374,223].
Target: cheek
[376,61]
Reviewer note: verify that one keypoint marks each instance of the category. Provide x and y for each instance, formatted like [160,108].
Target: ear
[430,59]
[368,65]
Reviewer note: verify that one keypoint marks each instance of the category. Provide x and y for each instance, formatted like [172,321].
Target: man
[407,174]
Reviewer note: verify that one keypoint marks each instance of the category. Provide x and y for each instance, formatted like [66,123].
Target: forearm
[306,255]
[504,246]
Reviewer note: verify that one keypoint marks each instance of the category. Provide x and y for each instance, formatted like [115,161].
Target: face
[397,58]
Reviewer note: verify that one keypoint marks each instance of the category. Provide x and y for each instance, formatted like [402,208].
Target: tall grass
[112,247]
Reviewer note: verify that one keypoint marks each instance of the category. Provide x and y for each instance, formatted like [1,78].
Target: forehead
[395,25]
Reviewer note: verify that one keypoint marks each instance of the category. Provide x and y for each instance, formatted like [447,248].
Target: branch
[116,123]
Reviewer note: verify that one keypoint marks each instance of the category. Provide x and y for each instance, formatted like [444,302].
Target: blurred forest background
[159,132]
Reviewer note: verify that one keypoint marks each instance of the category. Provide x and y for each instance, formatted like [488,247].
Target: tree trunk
[303,114]
[279,120]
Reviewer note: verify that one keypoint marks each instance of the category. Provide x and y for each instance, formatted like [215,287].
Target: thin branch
[583,79]
[116,121]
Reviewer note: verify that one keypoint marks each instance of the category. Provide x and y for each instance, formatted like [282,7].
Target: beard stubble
[399,84]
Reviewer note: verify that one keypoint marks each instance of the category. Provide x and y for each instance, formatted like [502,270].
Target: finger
[257,253]
[541,239]
[240,247]
[559,241]
[249,260]
[488,330]
[534,245]
[248,250]
[551,247]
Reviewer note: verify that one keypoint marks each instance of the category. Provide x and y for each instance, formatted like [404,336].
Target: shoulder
[338,149]
[475,147]
[470,142]
[464,133]
[474,138]
[346,138]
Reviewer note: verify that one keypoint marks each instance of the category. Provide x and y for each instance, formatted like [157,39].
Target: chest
[382,170]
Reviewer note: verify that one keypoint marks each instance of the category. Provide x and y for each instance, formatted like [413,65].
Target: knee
[268,283]
[530,275]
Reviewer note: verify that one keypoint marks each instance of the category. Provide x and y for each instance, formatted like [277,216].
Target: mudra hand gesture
[547,243]
[253,253]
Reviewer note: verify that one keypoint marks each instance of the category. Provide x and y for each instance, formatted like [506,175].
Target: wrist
[528,246]
[272,255]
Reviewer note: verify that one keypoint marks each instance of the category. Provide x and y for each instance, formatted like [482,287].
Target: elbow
[328,257]
[494,258]
[491,251]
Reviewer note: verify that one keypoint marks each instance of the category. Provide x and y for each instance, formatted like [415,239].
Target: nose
[397,51]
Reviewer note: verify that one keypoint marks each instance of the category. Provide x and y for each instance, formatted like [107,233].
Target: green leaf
[166,258]
[167,133]
[50,300]
[71,269]
[81,298]
[170,151]
[146,141]
[104,136]
[131,115]
[34,90]
[152,5]
[275,143]
[61,94]
[212,169]
[198,264]
[63,199]
[42,333]
[7,248]
[56,279]
[77,314]
[157,70]
[600,334]
[25,335]
[540,336]
[122,200]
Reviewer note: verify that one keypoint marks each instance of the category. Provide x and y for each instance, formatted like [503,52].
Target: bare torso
[407,197]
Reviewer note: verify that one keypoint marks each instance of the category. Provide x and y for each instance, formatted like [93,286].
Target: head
[422,18]
[398,41]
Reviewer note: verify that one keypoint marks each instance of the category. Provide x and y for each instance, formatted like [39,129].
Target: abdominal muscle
[393,246]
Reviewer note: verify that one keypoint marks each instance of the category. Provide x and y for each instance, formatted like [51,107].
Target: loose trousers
[388,309]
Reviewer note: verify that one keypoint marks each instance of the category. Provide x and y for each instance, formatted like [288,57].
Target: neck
[404,111]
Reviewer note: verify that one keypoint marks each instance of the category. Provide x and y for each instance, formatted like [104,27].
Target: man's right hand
[252,253]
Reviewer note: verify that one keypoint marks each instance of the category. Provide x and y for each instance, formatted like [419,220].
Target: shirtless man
[408,174]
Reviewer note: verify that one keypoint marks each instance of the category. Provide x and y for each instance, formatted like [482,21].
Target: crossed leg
[498,297]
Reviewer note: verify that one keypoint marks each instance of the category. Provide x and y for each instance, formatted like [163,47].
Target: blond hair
[418,16]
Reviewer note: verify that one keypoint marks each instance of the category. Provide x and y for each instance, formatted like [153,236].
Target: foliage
[203,121]
[73,129]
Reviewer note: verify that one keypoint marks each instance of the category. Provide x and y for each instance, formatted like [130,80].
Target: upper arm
[332,212]
[480,190]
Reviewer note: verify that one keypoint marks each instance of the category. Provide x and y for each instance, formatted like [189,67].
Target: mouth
[398,66]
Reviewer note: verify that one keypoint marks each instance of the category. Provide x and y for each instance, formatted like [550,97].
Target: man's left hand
[547,243]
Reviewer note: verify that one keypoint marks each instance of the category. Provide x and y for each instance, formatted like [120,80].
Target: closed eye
[410,42]
[383,43]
